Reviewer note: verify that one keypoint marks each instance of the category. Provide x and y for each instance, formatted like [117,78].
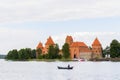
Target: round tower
[69,40]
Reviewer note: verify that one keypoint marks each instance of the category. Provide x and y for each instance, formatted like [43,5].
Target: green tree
[9,55]
[57,50]
[12,55]
[23,55]
[33,54]
[106,51]
[114,49]
[39,53]
[51,52]
[45,56]
[90,47]
[66,51]
[15,54]
[29,52]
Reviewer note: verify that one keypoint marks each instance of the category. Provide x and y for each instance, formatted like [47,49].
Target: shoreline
[69,60]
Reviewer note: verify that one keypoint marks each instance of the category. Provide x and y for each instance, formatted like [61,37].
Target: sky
[25,23]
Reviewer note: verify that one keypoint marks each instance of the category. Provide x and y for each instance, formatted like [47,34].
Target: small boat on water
[65,67]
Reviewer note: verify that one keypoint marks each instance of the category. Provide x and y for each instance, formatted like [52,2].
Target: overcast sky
[24,23]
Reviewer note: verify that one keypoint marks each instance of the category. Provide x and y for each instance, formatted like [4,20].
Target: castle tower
[96,49]
[69,40]
[40,46]
[48,43]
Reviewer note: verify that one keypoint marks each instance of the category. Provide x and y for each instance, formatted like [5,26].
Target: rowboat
[65,67]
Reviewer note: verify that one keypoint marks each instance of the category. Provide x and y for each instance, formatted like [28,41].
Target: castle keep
[78,49]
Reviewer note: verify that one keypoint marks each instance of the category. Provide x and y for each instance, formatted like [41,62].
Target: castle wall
[74,52]
[96,52]
[77,49]
[85,55]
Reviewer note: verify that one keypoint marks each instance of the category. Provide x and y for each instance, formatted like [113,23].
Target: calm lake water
[34,70]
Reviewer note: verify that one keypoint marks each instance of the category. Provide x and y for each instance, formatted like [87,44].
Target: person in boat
[68,66]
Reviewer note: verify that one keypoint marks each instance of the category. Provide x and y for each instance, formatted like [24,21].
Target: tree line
[28,53]
[22,54]
[113,50]
[54,52]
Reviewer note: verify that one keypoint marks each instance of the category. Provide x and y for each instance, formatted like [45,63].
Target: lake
[34,70]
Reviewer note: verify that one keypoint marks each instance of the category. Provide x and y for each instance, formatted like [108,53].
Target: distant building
[78,49]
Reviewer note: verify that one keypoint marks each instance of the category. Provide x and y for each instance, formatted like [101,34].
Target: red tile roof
[81,45]
[96,42]
[40,45]
[49,41]
[78,44]
[69,38]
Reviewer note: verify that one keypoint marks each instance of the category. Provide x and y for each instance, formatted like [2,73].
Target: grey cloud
[56,10]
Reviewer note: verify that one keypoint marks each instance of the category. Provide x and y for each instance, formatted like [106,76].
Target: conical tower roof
[49,41]
[40,45]
[96,42]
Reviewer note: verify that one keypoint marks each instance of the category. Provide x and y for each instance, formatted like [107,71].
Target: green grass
[51,60]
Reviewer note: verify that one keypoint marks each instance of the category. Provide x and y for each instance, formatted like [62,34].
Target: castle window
[75,56]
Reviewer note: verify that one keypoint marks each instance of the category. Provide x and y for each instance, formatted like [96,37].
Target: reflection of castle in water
[77,49]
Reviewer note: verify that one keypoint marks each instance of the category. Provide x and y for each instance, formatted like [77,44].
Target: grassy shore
[51,60]
[67,60]
[107,59]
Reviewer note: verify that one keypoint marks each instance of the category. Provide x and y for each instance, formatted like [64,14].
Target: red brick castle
[77,49]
